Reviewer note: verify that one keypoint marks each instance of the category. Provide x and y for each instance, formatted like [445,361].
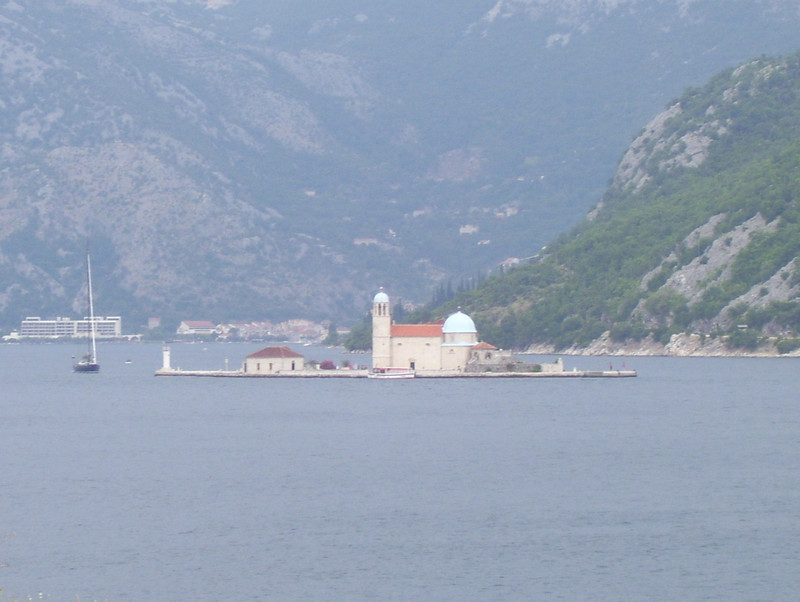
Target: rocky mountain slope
[699,234]
[230,159]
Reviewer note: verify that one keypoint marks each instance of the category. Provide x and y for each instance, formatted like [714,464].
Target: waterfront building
[446,345]
[105,327]
[196,327]
[272,360]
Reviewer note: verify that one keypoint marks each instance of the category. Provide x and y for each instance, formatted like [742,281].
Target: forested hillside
[698,233]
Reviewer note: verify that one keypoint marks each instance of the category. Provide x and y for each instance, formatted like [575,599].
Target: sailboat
[88,363]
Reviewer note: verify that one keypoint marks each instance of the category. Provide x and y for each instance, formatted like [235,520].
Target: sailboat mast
[91,309]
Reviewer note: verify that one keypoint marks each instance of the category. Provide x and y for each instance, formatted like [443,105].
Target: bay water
[681,484]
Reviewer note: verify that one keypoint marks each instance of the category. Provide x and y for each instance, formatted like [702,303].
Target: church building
[451,344]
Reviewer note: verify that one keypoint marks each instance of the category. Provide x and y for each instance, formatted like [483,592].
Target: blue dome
[458,323]
[381,297]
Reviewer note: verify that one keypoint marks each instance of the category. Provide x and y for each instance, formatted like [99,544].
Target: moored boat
[88,363]
[391,373]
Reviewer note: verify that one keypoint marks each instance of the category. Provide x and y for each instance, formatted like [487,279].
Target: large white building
[196,327]
[450,344]
[34,326]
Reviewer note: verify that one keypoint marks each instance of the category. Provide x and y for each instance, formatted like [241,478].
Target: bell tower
[381,331]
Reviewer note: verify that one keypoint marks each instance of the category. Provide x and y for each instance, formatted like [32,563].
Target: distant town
[297,330]
[35,328]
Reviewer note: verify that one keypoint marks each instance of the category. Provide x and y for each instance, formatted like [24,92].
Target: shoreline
[428,374]
[679,345]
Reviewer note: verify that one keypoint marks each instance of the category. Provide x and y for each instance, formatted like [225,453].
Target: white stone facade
[437,346]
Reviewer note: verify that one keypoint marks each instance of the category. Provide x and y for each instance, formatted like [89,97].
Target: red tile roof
[483,345]
[417,330]
[275,352]
[199,324]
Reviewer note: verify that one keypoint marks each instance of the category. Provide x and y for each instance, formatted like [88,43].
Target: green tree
[360,337]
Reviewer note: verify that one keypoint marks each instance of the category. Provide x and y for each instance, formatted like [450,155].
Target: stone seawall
[419,374]
[241,374]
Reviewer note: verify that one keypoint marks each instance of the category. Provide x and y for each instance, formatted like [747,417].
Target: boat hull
[86,367]
[391,373]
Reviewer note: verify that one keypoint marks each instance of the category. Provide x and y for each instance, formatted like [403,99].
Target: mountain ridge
[232,161]
[692,239]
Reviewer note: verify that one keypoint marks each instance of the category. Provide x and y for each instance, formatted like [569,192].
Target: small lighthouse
[165,367]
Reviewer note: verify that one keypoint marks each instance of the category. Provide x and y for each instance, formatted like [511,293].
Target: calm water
[682,484]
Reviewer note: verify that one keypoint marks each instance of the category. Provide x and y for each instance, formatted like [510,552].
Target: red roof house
[196,327]
[272,360]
